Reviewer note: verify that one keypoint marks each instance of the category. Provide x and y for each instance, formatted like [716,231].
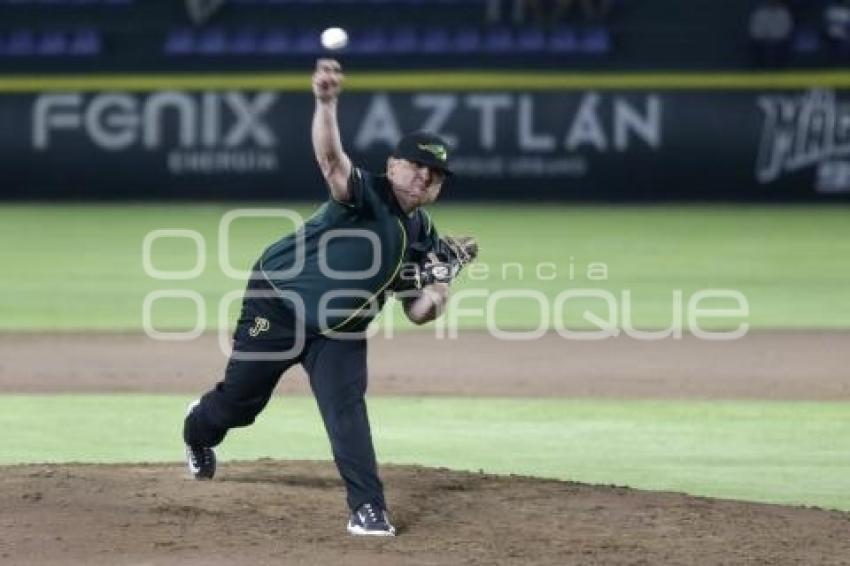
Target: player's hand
[327,80]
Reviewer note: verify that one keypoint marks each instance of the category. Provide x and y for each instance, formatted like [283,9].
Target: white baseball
[334,38]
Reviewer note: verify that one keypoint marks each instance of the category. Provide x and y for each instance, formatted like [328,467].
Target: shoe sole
[360,531]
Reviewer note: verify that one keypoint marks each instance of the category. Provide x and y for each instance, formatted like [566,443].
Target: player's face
[414,184]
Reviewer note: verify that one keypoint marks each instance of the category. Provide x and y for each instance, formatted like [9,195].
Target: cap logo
[434,149]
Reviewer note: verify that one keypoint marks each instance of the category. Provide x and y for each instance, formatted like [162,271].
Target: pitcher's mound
[273,512]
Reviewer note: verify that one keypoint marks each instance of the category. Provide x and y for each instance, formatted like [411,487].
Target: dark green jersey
[345,259]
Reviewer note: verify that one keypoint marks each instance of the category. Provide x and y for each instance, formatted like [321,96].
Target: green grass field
[774,452]
[80,268]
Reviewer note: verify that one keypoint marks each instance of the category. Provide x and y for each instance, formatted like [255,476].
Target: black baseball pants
[338,378]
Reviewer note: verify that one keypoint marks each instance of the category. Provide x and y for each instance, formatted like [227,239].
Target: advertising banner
[607,145]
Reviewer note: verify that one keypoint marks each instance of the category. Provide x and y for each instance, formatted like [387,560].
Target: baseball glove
[444,264]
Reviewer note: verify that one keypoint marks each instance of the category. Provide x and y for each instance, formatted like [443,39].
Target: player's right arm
[327,145]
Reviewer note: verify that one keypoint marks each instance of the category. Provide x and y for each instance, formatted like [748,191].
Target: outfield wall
[603,137]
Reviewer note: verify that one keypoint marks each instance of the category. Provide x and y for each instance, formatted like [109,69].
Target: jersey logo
[260,325]
[434,149]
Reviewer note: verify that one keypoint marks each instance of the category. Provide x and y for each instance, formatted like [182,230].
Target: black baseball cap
[424,148]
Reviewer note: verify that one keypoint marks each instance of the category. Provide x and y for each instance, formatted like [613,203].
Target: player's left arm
[434,276]
[436,270]
[428,303]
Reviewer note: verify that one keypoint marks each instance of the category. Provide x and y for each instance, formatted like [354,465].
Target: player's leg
[234,402]
[338,377]
[264,329]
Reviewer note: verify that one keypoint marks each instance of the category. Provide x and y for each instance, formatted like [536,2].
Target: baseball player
[313,293]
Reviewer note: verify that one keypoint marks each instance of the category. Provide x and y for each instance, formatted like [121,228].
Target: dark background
[708,138]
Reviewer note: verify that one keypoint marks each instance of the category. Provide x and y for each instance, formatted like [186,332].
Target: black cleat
[200,459]
[201,462]
[371,520]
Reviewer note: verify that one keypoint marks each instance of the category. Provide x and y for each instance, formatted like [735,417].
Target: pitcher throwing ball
[313,293]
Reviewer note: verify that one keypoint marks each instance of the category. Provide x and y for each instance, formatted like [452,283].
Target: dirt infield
[762,365]
[292,512]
